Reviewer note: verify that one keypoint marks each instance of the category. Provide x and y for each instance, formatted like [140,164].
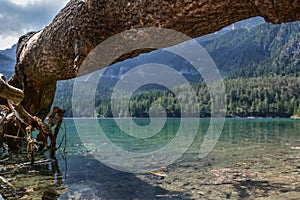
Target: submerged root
[13,131]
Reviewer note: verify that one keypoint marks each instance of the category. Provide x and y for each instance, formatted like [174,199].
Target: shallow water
[253,159]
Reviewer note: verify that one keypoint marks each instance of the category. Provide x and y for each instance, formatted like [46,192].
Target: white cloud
[18,17]
[23,2]
[7,42]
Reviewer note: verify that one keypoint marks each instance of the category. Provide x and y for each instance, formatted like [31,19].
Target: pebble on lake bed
[295,148]
[156,175]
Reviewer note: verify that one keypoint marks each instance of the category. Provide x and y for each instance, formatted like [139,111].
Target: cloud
[18,17]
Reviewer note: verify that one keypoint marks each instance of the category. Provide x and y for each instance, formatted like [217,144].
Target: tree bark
[57,51]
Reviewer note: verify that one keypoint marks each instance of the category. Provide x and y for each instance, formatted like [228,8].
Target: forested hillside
[257,97]
[266,50]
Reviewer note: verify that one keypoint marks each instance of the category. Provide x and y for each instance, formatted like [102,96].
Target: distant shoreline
[295,117]
[292,117]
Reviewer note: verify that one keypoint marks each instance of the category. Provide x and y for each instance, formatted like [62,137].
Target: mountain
[7,61]
[266,50]
[244,24]
[11,52]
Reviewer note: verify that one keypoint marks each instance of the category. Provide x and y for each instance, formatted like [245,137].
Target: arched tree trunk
[56,52]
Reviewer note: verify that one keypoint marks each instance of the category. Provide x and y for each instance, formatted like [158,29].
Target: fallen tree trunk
[57,51]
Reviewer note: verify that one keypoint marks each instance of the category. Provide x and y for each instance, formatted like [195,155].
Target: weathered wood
[15,95]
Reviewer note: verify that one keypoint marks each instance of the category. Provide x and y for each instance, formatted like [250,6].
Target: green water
[235,132]
[253,158]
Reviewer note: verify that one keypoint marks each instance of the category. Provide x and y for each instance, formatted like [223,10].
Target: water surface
[253,158]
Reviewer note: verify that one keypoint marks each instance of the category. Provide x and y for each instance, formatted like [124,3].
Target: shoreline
[250,117]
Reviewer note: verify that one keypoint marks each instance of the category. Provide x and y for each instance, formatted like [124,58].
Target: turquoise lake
[252,159]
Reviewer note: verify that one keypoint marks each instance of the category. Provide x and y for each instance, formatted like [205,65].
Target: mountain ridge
[7,61]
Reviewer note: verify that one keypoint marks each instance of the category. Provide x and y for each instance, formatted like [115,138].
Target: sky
[17,17]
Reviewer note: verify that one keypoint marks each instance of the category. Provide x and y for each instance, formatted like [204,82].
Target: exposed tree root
[16,124]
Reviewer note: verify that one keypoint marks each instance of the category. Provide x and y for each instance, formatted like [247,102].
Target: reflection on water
[254,158]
